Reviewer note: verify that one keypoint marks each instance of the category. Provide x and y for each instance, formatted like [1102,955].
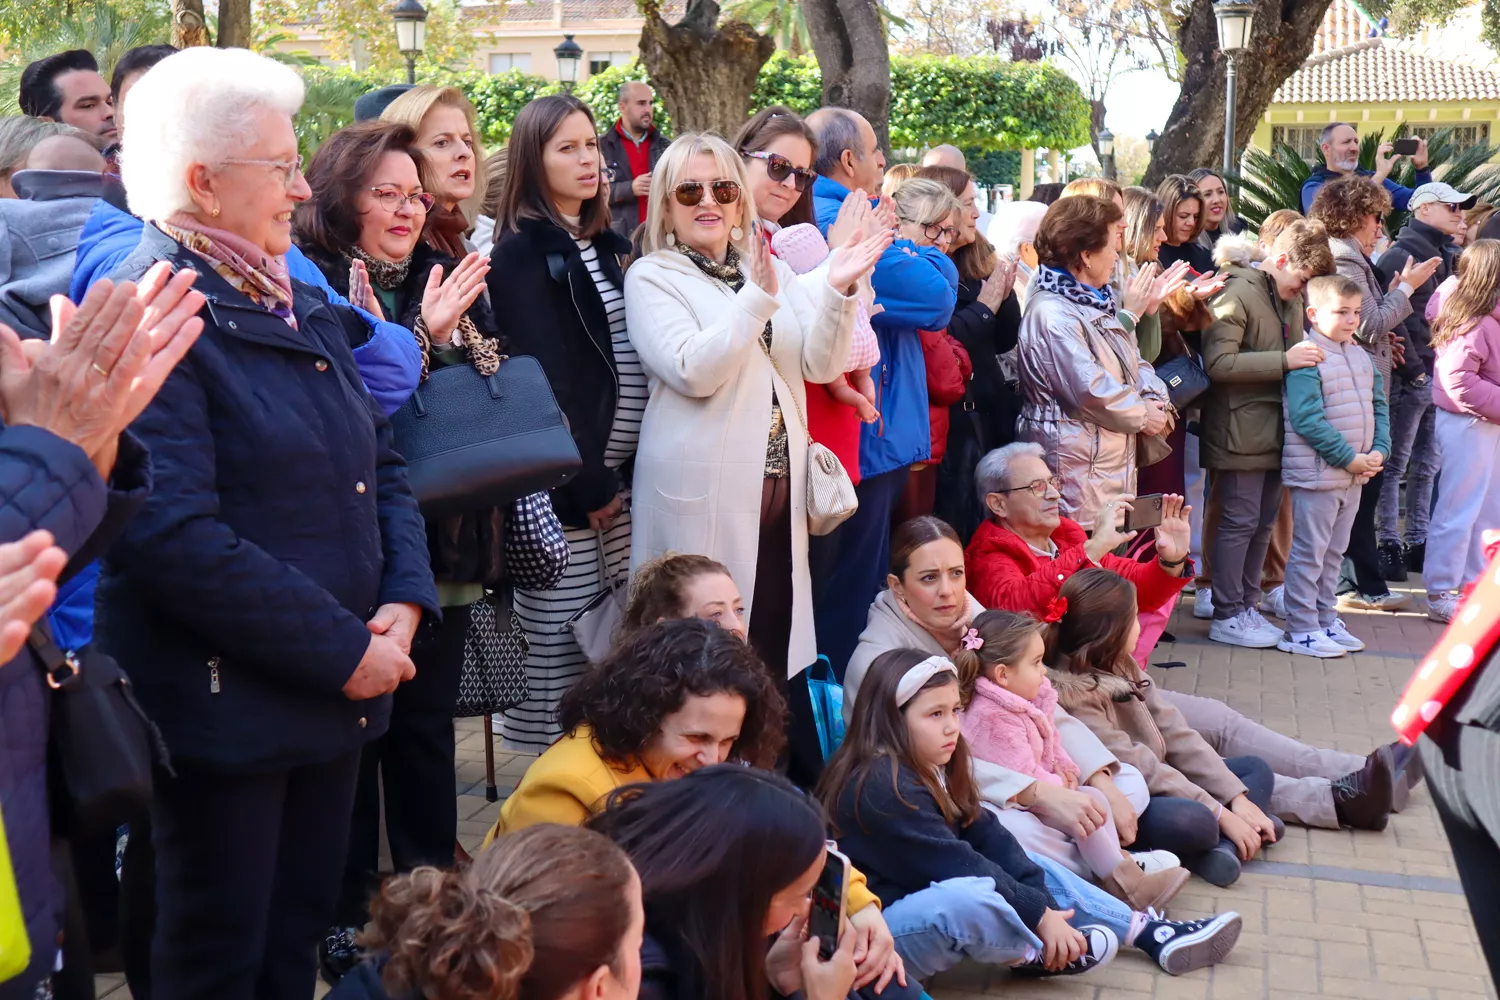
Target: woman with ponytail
[549,913]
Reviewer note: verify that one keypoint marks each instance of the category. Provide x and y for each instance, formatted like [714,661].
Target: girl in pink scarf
[1008,720]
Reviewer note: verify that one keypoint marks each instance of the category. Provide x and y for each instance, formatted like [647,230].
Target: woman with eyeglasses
[729,336]
[363,228]
[557,283]
[265,597]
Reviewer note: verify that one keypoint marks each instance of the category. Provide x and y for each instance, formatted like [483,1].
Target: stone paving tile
[1303,936]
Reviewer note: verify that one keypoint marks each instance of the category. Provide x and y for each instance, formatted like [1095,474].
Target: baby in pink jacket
[1008,720]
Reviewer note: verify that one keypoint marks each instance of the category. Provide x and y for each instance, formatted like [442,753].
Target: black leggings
[1189,829]
[1461,763]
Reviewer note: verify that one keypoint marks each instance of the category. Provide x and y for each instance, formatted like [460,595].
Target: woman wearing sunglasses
[729,336]
[363,227]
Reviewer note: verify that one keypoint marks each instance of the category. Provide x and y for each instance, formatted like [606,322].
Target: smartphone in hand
[830,900]
[1145,512]
[1406,147]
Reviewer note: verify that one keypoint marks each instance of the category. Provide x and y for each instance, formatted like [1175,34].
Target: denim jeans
[960,918]
[1414,454]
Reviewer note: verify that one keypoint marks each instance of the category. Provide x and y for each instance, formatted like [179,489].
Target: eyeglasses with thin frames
[290,170]
[934,231]
[1037,487]
[392,201]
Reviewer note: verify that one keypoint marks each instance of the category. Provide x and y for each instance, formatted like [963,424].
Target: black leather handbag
[473,442]
[101,748]
[1185,379]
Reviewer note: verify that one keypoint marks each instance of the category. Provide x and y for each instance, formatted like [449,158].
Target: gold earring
[215,212]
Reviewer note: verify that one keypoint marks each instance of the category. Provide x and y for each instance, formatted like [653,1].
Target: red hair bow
[1056,608]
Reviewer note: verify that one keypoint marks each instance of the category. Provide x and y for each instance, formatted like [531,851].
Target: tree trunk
[849,39]
[234,24]
[189,27]
[1194,134]
[1096,125]
[704,72]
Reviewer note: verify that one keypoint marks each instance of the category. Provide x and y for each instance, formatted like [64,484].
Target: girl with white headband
[955,883]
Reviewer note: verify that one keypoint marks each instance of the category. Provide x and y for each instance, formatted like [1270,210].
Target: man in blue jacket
[917,286]
[1340,145]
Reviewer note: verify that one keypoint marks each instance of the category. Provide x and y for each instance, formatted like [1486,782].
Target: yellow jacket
[570,782]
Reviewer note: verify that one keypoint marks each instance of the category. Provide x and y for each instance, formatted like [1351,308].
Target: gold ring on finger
[95,365]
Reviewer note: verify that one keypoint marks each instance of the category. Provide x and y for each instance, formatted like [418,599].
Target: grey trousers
[1302,793]
[1413,454]
[1249,502]
[1321,523]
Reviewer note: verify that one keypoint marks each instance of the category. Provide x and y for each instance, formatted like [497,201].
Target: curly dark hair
[1344,205]
[650,674]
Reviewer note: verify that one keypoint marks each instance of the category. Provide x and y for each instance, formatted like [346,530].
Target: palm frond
[100,27]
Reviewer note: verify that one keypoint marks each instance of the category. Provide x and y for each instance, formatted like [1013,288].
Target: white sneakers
[1274,601]
[1442,607]
[1317,644]
[1203,603]
[1341,635]
[1155,861]
[1247,629]
[1391,601]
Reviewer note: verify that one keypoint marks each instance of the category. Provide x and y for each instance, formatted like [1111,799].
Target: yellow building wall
[1379,117]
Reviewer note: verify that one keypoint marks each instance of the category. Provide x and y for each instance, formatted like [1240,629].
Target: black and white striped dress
[556,661]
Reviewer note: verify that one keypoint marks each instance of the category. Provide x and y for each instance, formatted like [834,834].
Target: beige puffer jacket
[1085,386]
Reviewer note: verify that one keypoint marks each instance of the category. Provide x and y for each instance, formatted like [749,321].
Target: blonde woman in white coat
[728,335]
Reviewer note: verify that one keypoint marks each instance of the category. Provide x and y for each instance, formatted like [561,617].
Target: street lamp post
[411,34]
[569,54]
[1151,138]
[1107,153]
[1234,19]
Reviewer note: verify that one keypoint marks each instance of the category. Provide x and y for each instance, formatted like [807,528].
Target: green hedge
[979,104]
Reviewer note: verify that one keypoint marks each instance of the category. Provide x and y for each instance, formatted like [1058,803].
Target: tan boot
[1142,891]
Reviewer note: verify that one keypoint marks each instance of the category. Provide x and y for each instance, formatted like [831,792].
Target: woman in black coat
[363,227]
[555,280]
[987,321]
[265,598]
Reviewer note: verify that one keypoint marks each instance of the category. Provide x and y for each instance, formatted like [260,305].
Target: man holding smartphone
[1339,142]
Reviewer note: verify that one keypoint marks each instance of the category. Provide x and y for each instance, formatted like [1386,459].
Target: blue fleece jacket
[1322,175]
[918,286]
[390,362]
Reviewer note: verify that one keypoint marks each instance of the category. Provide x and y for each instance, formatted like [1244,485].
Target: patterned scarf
[389,275]
[1050,279]
[727,272]
[249,270]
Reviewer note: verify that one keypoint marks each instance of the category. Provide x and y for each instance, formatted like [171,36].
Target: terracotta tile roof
[1346,23]
[1380,70]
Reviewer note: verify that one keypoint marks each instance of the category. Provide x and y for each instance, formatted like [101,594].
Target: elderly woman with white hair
[729,335]
[265,598]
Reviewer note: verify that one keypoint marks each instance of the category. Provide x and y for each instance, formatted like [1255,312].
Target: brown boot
[1154,891]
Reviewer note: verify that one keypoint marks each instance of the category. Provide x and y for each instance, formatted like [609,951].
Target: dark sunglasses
[690,193]
[779,168]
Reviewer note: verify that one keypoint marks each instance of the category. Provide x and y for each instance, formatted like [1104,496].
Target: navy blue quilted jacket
[279,520]
[45,482]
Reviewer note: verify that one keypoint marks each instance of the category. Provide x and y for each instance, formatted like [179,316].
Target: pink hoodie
[1467,373]
[1006,729]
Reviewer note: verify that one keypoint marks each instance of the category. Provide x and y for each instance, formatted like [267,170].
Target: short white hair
[199,106]
[1015,223]
[664,180]
[993,474]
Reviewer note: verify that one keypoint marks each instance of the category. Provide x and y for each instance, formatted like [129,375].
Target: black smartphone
[830,894]
[1406,147]
[1145,512]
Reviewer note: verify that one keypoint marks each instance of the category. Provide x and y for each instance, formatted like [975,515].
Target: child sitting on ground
[954,883]
[1008,721]
[1208,810]
[803,249]
[1337,436]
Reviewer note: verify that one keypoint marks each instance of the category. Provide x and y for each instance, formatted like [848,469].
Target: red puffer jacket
[948,372]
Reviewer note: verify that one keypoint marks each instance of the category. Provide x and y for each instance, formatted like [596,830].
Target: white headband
[913,679]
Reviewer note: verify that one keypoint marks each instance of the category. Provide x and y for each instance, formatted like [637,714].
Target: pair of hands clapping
[445,300]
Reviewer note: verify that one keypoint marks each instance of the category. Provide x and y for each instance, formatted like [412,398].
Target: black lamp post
[1151,138]
[411,34]
[1107,153]
[569,54]
[1234,18]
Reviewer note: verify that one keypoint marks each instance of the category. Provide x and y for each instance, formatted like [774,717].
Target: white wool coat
[701,462]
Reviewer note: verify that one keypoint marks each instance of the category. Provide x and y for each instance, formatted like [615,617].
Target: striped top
[625,432]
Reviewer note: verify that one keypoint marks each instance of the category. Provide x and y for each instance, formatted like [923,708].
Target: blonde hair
[896,175]
[412,107]
[924,202]
[1094,187]
[1475,296]
[664,181]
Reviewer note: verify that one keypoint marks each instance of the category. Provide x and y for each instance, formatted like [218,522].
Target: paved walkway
[1327,913]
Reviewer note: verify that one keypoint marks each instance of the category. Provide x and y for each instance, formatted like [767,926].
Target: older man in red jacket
[1020,556]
